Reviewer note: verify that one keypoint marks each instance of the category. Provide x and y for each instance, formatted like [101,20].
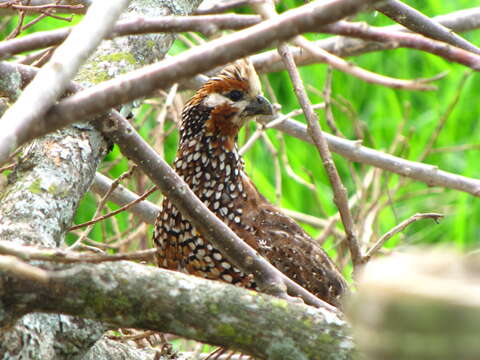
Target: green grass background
[381,110]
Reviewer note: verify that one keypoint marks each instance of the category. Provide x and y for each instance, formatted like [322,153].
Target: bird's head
[231,98]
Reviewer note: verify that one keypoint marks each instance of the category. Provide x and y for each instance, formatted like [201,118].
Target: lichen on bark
[42,195]
[139,296]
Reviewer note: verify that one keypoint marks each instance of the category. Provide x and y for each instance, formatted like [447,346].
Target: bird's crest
[239,75]
[242,70]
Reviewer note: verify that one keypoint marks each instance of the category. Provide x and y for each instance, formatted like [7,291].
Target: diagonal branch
[354,151]
[365,75]
[140,25]
[464,20]
[340,196]
[351,150]
[143,82]
[144,210]
[208,224]
[414,20]
[60,70]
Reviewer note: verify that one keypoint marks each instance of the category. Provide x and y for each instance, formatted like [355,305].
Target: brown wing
[289,248]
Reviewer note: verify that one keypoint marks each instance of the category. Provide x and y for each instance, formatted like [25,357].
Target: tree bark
[131,295]
[42,195]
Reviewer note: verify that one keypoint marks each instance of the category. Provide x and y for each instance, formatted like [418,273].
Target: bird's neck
[205,163]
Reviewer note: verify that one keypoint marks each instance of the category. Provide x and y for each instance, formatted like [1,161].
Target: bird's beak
[259,106]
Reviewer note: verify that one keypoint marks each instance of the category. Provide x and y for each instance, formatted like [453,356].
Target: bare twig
[400,227]
[7,167]
[100,206]
[34,57]
[365,75]
[67,256]
[455,148]
[339,192]
[327,98]
[118,211]
[16,31]
[288,168]
[23,270]
[145,210]
[443,119]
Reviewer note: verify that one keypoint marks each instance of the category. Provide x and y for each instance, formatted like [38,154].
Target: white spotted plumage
[208,160]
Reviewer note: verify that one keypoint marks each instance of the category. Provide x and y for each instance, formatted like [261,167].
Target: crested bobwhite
[209,162]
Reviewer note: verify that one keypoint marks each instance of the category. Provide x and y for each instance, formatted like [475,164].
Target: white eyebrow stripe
[215,99]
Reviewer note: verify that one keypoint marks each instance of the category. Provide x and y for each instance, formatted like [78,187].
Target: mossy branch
[126,294]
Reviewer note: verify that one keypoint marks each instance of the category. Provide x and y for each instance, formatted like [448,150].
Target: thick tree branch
[34,209]
[349,149]
[354,151]
[207,24]
[125,294]
[143,82]
[414,20]
[460,21]
[59,71]
[49,184]
[208,224]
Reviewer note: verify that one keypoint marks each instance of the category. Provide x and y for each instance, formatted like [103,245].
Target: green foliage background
[381,111]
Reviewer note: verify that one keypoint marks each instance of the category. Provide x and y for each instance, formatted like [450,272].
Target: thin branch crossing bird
[209,162]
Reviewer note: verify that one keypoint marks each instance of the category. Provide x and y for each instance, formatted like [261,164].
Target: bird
[208,160]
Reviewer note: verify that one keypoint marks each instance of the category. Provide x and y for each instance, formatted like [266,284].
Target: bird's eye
[235,95]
